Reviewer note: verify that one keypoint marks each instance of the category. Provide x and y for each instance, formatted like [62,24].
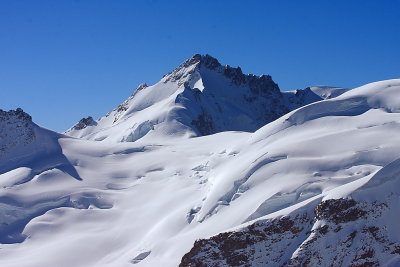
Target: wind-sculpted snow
[31,154]
[344,227]
[327,92]
[314,187]
[14,215]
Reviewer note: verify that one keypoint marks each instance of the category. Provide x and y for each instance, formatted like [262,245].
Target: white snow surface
[327,92]
[145,202]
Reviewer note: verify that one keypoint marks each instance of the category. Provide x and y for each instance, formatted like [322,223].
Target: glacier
[302,178]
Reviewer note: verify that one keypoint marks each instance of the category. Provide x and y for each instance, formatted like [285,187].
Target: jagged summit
[198,62]
[15,130]
[190,67]
[83,123]
[202,60]
[18,114]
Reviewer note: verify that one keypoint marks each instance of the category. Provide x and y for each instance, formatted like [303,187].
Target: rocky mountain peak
[84,122]
[17,114]
[207,61]
[15,129]
[202,60]
[184,72]
[190,66]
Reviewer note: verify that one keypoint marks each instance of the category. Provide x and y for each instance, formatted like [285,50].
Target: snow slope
[199,97]
[147,202]
[327,92]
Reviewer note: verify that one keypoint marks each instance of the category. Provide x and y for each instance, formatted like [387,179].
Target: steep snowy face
[20,138]
[200,97]
[299,98]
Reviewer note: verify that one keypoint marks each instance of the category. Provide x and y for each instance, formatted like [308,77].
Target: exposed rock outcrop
[15,129]
[341,232]
[84,122]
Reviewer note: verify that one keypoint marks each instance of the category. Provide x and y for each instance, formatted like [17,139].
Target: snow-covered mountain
[200,97]
[316,186]
[24,142]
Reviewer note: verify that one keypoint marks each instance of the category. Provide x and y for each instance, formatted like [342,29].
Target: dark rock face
[247,247]
[302,97]
[15,129]
[339,210]
[204,124]
[348,235]
[207,61]
[204,60]
[262,85]
[83,123]
[17,114]
[341,232]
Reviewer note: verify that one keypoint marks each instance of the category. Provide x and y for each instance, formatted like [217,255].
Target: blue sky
[63,60]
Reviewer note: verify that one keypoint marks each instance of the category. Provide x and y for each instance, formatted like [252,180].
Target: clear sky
[63,60]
